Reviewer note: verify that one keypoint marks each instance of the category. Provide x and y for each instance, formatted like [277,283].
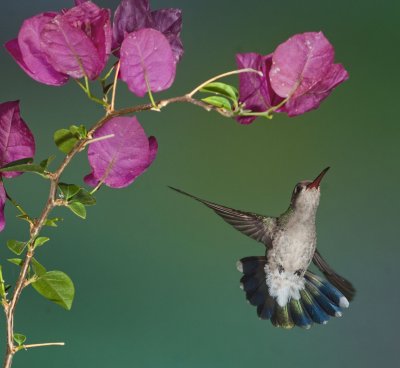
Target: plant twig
[30,346]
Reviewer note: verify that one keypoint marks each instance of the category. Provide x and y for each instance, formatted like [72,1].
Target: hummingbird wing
[255,226]
[338,281]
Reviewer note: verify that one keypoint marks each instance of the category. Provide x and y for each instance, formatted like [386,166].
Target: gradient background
[156,284]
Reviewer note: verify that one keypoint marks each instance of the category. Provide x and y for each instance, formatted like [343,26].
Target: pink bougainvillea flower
[303,71]
[147,62]
[119,160]
[255,91]
[133,15]
[16,143]
[51,47]
[27,51]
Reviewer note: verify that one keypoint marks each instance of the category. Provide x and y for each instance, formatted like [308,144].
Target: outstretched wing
[255,226]
[338,281]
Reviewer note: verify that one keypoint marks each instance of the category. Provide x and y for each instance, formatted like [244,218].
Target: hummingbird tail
[318,300]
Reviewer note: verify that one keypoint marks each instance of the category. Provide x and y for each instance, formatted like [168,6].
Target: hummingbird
[279,283]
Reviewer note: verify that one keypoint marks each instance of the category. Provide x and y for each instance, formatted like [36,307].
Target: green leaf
[2,289]
[16,246]
[19,338]
[40,241]
[68,190]
[18,162]
[38,269]
[57,287]
[65,140]
[218,101]
[222,89]
[16,261]
[45,163]
[37,169]
[24,217]
[79,131]
[77,208]
[84,197]
[53,221]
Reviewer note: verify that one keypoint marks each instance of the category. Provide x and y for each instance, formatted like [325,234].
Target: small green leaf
[84,197]
[16,246]
[19,338]
[53,221]
[218,101]
[16,261]
[40,241]
[38,269]
[24,217]
[65,140]
[45,163]
[37,169]
[2,289]
[222,89]
[57,287]
[18,162]
[77,208]
[80,131]
[68,190]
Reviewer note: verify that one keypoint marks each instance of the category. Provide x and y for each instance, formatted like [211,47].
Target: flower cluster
[76,43]
[296,77]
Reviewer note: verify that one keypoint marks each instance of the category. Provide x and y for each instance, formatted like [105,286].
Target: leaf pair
[77,198]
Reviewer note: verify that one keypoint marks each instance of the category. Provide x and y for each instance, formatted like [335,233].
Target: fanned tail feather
[318,300]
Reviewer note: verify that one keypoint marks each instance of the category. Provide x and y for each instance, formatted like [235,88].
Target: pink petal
[255,91]
[299,63]
[28,53]
[70,51]
[16,140]
[119,160]
[313,98]
[147,60]
[95,23]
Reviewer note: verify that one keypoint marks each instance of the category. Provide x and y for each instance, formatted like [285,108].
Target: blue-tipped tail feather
[318,300]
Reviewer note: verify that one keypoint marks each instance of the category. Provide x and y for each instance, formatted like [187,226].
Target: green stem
[86,89]
[265,114]
[16,205]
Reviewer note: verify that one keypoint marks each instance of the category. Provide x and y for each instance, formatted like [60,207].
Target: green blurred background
[156,283]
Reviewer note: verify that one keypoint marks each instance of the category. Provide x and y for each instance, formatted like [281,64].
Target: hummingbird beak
[317,180]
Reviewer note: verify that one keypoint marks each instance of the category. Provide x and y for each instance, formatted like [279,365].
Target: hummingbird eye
[298,272]
[297,188]
[280,268]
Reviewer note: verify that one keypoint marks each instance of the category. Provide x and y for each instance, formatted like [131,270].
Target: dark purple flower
[51,47]
[16,143]
[147,62]
[303,70]
[255,91]
[119,160]
[133,15]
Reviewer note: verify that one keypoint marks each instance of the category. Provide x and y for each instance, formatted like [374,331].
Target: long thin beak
[317,180]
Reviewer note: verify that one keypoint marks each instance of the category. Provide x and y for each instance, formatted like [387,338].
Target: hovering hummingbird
[279,284]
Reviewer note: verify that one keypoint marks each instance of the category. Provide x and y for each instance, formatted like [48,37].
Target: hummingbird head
[305,196]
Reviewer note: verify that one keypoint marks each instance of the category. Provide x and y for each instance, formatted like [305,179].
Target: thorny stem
[10,305]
